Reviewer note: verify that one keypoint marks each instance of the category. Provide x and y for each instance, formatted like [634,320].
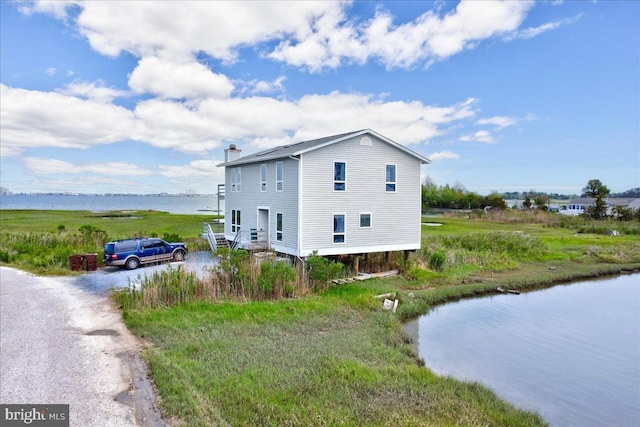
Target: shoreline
[410,325]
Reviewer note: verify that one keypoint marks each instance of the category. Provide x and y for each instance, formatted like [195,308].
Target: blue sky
[142,97]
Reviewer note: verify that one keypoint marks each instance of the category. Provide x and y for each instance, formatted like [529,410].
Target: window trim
[343,233]
[236,179]
[395,178]
[235,220]
[338,182]
[279,182]
[279,226]
[370,220]
[263,177]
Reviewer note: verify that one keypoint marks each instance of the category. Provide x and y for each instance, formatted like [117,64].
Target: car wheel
[132,263]
[178,256]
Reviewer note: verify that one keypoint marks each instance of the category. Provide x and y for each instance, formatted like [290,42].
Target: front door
[263,224]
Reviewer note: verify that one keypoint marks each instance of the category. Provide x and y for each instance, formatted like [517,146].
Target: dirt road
[60,343]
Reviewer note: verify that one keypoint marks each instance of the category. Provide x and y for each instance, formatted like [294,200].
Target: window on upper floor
[263,177]
[236,179]
[279,175]
[339,176]
[390,179]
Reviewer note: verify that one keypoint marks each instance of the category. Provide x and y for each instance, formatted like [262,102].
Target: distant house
[579,205]
[351,193]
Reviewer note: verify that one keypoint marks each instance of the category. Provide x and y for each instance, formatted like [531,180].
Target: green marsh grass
[331,356]
[310,362]
[42,241]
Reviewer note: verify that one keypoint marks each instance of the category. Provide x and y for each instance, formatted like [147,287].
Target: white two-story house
[352,193]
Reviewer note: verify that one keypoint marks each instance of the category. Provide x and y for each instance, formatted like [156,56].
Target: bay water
[202,204]
[570,353]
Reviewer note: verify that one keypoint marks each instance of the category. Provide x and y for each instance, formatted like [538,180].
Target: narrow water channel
[570,352]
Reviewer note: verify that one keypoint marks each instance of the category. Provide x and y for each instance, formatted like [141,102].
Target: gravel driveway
[106,278]
[62,342]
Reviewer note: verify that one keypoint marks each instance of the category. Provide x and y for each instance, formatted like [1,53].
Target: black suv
[130,253]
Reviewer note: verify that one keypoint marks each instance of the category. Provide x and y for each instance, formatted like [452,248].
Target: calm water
[570,353]
[172,204]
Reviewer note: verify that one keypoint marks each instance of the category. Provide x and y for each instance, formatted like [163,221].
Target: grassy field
[334,357]
[42,241]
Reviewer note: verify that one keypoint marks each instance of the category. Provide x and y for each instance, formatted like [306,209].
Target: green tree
[495,201]
[623,213]
[541,202]
[527,203]
[599,191]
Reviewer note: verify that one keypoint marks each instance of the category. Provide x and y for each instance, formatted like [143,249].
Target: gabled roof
[613,201]
[314,144]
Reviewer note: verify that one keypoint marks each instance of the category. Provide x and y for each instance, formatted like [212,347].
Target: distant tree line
[634,193]
[532,194]
[456,197]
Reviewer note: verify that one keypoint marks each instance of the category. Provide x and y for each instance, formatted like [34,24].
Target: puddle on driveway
[108,332]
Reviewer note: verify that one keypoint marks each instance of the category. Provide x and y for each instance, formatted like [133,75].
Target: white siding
[395,217]
[250,198]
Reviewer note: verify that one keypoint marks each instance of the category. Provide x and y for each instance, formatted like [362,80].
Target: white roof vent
[366,141]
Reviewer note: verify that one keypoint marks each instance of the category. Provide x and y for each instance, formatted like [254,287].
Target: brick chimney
[232,153]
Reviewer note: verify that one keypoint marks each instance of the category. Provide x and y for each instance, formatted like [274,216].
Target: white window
[339,176]
[338,228]
[263,177]
[279,227]
[279,167]
[235,221]
[236,180]
[390,179]
[365,220]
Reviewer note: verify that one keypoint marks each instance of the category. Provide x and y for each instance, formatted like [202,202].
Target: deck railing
[245,239]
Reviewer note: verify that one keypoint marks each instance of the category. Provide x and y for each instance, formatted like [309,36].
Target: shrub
[322,270]
[436,260]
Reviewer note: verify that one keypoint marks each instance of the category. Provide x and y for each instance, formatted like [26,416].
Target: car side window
[125,246]
[156,244]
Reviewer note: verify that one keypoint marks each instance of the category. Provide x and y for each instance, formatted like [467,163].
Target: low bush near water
[606,227]
[495,250]
[238,277]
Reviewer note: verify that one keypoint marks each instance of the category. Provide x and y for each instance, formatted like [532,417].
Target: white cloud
[43,166]
[46,119]
[443,155]
[180,29]
[172,79]
[199,174]
[50,71]
[430,37]
[40,119]
[57,8]
[499,121]
[93,91]
[312,35]
[257,87]
[528,33]
[480,136]
[263,122]
[195,168]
